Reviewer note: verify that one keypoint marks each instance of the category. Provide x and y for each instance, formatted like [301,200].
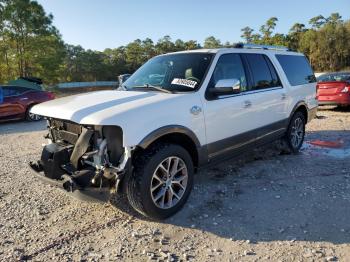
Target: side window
[9,91]
[263,73]
[297,69]
[275,79]
[19,90]
[229,66]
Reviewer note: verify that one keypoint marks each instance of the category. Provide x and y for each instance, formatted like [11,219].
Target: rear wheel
[296,132]
[32,117]
[161,181]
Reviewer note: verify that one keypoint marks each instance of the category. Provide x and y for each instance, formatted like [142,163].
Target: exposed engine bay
[84,156]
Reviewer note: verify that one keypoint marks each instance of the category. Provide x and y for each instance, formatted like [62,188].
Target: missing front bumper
[91,194]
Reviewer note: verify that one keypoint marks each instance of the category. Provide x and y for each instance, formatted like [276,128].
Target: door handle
[247,104]
[283,96]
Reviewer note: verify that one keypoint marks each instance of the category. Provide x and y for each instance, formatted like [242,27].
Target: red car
[17,102]
[334,89]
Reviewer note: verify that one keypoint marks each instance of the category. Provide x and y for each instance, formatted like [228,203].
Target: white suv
[177,113]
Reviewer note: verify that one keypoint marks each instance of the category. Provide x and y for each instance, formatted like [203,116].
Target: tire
[295,133]
[32,117]
[149,169]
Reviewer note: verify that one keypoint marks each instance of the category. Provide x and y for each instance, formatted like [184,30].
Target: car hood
[95,107]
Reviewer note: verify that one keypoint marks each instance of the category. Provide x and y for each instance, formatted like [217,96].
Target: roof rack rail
[264,47]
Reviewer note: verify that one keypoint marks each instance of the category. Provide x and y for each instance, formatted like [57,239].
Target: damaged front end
[89,162]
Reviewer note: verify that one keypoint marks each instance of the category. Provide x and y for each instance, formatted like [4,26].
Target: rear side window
[334,77]
[263,73]
[9,91]
[297,69]
[20,90]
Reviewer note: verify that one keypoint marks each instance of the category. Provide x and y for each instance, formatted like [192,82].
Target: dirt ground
[265,207]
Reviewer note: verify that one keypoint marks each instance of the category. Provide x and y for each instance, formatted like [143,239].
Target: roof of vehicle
[23,82]
[237,50]
[334,76]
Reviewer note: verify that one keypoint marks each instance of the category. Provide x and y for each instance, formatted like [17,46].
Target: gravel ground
[263,207]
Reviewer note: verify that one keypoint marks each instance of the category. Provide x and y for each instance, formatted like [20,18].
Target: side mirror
[226,87]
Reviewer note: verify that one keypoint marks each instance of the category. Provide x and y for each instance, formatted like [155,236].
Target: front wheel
[296,132]
[161,182]
[32,117]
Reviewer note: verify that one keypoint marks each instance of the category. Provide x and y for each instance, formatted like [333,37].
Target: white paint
[137,113]
[140,113]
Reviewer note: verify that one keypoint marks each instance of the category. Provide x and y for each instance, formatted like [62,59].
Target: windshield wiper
[158,88]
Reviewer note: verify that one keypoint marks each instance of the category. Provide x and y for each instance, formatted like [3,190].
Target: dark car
[334,89]
[17,102]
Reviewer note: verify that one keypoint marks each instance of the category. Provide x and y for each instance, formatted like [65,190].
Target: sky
[100,24]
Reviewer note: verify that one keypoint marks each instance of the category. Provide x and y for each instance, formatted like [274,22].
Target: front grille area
[64,131]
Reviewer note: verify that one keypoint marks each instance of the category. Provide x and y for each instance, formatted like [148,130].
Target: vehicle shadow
[269,196]
[21,127]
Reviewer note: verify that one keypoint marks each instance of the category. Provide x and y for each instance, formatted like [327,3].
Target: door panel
[236,121]
[12,106]
[268,97]
[227,116]
[269,106]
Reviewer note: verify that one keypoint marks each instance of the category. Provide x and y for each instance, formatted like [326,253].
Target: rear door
[12,106]
[268,98]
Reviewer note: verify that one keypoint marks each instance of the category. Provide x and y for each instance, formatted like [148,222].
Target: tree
[227,44]
[294,35]
[148,49]
[212,42]
[31,46]
[297,28]
[325,43]
[268,28]
[26,30]
[191,44]
[317,21]
[134,54]
[247,34]
[334,19]
[179,45]
[165,45]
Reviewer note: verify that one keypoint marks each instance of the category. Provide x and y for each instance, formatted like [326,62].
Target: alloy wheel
[169,182]
[297,132]
[34,117]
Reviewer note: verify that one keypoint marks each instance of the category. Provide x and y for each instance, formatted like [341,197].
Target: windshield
[175,72]
[337,77]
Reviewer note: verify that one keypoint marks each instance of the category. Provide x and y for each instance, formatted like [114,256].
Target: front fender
[170,129]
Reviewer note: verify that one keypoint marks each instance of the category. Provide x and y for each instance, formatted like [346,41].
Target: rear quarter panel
[301,93]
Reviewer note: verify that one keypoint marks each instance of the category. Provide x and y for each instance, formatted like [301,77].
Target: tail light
[345,89]
[51,95]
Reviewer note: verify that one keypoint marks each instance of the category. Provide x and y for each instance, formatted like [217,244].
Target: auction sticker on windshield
[184,82]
